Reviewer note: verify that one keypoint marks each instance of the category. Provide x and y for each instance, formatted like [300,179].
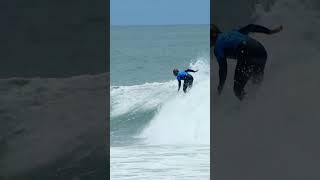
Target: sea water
[156,131]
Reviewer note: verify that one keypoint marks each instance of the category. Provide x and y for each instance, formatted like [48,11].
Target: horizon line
[156,24]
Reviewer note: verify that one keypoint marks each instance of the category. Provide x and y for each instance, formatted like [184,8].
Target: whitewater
[167,133]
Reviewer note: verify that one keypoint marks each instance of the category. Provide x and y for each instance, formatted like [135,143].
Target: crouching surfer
[186,77]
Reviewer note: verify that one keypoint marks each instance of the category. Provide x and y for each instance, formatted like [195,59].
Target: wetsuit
[251,56]
[187,79]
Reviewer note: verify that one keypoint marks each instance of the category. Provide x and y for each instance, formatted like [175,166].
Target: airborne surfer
[250,54]
[187,78]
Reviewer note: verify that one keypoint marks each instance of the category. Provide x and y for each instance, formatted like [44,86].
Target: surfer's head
[175,71]
[214,31]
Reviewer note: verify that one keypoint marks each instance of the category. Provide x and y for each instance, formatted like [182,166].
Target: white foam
[148,96]
[185,118]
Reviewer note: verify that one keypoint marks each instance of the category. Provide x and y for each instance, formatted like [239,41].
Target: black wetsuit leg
[187,83]
[259,61]
[251,62]
[241,76]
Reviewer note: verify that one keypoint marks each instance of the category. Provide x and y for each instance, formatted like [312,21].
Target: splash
[185,118]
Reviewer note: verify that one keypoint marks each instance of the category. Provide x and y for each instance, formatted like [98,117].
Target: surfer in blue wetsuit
[187,78]
[250,54]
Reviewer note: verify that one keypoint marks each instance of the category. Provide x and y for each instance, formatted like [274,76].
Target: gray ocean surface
[152,134]
[53,90]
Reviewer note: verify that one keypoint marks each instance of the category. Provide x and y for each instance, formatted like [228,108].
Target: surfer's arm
[190,70]
[253,28]
[223,70]
[223,66]
[179,85]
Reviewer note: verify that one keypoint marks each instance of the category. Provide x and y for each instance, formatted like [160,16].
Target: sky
[159,12]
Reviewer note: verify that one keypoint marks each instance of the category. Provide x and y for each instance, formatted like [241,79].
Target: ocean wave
[45,119]
[159,109]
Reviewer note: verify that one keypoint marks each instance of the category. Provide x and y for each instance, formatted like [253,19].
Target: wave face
[157,114]
[278,122]
[53,127]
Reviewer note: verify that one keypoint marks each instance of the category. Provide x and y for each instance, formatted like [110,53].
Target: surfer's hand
[277,29]
[220,89]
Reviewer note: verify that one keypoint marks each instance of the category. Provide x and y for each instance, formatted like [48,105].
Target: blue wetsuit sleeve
[179,85]
[255,29]
[190,70]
